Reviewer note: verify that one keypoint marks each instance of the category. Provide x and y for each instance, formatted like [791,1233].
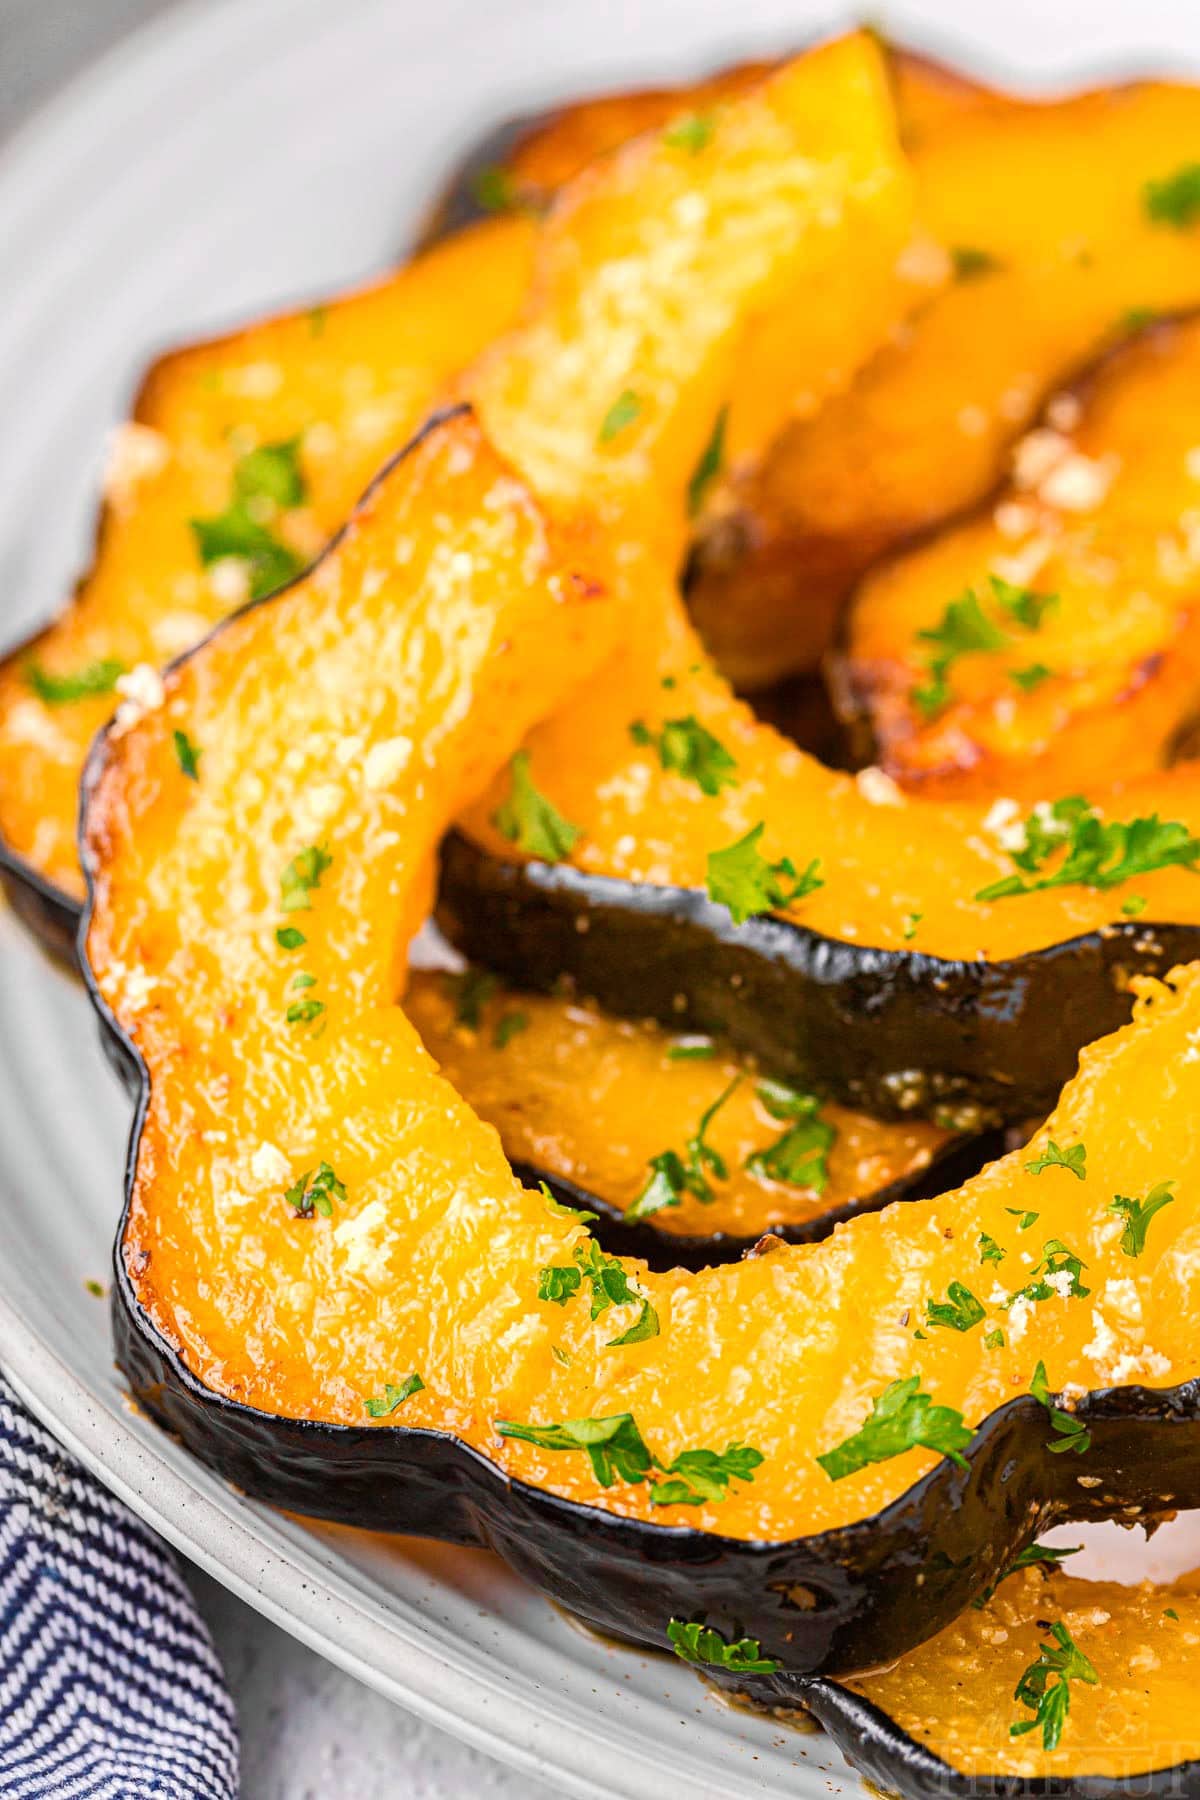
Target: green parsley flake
[315,1192]
[561,1211]
[1046,1557]
[911,921]
[741,879]
[970,263]
[1024,1219]
[686,748]
[959,1311]
[693,132]
[701,1644]
[1029,678]
[508,1026]
[702,1477]
[301,877]
[187,755]
[800,1157]
[471,990]
[528,820]
[614,1445]
[709,465]
[1175,199]
[691,1050]
[304,1012]
[289,938]
[901,1418]
[623,412]
[610,1285]
[271,473]
[1073,1158]
[494,190]
[989,1249]
[380,1406]
[1073,1435]
[1057,1276]
[94,678]
[1045,1687]
[1094,853]
[1138,1214]
[671,1176]
[965,629]
[994,1340]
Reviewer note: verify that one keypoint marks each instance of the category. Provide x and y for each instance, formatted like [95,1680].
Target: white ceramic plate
[235,156]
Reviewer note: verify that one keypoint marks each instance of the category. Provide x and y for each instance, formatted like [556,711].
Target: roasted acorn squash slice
[940,1722]
[242,457]
[1046,212]
[290,418]
[686,1154]
[330,1286]
[1053,642]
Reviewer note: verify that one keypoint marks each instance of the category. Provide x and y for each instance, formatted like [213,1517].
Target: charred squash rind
[893,1032]
[829,1603]
[956,1163]
[884,1754]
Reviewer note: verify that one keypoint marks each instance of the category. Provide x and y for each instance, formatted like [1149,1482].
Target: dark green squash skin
[839,1600]
[888,1757]
[892,1032]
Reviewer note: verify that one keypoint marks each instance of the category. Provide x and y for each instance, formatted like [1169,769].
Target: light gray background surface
[309,1732]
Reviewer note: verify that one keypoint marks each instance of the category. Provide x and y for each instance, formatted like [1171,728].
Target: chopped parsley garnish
[1046,1557]
[1073,1434]
[965,629]
[989,1250]
[691,1050]
[1045,1686]
[1138,1214]
[1029,678]
[271,473]
[315,1192]
[304,981]
[614,1444]
[959,1311]
[304,1012]
[302,875]
[380,1406]
[1074,1157]
[508,1026]
[1024,1219]
[741,878]
[578,1213]
[623,412]
[1175,199]
[994,1340]
[610,1285]
[709,465]
[672,1176]
[1095,853]
[1057,1276]
[693,132]
[289,938]
[494,190]
[901,1418]
[528,820]
[701,1644]
[471,990]
[1137,318]
[266,481]
[701,1477]
[187,755]
[800,1157]
[686,748]
[1134,907]
[911,921]
[969,262]
[99,677]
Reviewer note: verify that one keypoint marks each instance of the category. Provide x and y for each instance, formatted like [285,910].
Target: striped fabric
[109,1685]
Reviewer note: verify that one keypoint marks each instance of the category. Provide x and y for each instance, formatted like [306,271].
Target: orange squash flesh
[352,379]
[1053,193]
[805,168]
[431,1261]
[954,1694]
[1103,516]
[356,377]
[589,1098]
[898,872]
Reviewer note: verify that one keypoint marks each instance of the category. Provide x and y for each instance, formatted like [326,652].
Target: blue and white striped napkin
[110,1688]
